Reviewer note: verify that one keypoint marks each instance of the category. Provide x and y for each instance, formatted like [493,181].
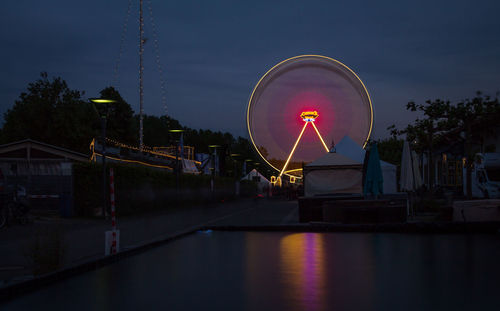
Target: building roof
[38,150]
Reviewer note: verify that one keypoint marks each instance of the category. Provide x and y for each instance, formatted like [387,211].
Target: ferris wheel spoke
[293,149]
[321,138]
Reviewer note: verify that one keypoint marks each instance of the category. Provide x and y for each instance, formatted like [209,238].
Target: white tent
[406,169]
[333,173]
[189,167]
[262,181]
[351,149]
[416,170]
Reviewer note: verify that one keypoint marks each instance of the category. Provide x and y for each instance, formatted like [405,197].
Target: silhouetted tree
[465,121]
[120,117]
[390,150]
[49,111]
[53,113]
[471,119]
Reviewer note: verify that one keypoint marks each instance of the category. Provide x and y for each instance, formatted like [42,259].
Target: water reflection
[302,265]
[283,271]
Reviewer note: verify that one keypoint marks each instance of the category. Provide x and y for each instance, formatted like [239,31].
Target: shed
[44,170]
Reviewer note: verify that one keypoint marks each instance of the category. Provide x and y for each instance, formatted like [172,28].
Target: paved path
[83,239]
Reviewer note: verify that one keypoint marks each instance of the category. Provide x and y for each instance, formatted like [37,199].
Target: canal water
[290,271]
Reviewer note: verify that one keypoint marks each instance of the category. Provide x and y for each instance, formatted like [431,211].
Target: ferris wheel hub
[309,116]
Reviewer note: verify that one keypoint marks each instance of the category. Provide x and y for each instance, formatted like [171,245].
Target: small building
[45,171]
[449,157]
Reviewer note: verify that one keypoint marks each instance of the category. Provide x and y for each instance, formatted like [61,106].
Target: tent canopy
[352,150]
[262,182]
[254,173]
[333,173]
[334,159]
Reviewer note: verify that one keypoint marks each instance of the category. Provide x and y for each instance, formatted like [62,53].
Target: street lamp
[103,117]
[245,166]
[234,157]
[177,157]
[212,180]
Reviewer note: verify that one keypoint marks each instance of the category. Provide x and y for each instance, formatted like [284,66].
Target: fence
[141,189]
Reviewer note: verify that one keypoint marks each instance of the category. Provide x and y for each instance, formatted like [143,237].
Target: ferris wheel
[301,107]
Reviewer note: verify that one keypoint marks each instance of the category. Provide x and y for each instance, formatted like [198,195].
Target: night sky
[214,52]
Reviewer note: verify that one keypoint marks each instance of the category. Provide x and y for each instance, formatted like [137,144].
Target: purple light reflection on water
[313,271]
[303,265]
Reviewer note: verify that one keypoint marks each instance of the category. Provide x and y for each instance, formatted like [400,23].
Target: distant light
[248,160]
[102,100]
[205,231]
[235,154]
[176,131]
[213,146]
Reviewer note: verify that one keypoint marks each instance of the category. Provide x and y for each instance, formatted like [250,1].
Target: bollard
[113,214]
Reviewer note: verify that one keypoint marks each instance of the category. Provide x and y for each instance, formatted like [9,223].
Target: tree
[52,113]
[157,130]
[121,124]
[470,119]
[425,132]
[390,150]
[465,122]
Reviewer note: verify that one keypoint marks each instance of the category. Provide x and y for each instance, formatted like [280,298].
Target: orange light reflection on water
[303,264]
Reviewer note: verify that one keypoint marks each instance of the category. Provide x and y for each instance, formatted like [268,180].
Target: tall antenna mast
[141,69]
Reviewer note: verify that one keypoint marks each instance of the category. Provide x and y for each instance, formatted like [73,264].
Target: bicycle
[14,206]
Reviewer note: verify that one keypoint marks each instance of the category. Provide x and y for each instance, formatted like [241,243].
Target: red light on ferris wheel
[309,116]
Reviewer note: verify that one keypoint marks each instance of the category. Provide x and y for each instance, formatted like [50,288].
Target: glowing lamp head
[309,116]
[102,100]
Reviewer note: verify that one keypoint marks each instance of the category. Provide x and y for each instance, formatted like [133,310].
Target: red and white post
[113,213]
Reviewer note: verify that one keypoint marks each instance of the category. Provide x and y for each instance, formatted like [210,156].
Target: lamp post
[103,118]
[247,161]
[234,157]
[177,158]
[212,180]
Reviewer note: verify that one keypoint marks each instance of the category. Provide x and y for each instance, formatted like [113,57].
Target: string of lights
[122,43]
[142,40]
[158,63]
[134,161]
[141,71]
[147,149]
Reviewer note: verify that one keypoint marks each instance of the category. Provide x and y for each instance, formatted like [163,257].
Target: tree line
[50,111]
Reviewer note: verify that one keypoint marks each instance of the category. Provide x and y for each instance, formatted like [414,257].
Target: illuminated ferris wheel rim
[289,60]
